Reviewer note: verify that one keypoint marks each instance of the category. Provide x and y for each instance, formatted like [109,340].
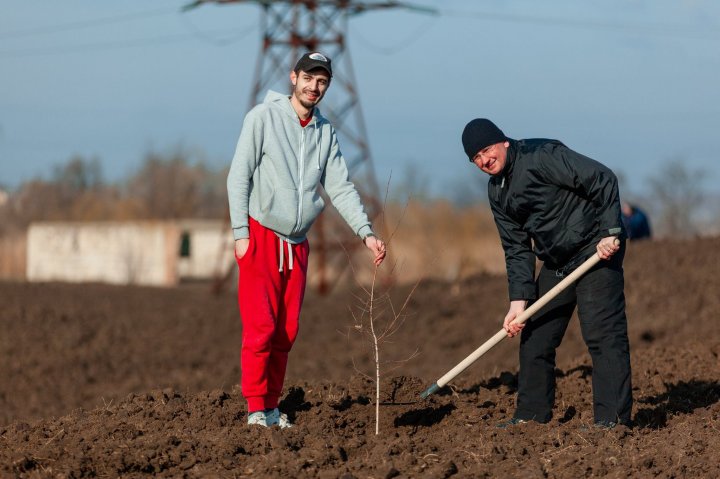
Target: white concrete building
[206,249]
[159,253]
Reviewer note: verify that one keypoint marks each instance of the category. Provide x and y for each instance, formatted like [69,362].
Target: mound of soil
[123,381]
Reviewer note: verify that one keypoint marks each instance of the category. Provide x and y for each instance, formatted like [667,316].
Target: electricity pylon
[289,28]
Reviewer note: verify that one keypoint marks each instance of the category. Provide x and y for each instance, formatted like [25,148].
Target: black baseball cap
[313,60]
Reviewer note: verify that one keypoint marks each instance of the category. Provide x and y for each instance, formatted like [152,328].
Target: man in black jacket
[552,203]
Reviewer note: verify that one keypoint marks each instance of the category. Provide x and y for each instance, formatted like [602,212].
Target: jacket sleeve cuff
[242,232]
[365,231]
[522,291]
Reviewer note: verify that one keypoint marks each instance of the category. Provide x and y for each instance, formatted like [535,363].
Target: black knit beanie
[480,133]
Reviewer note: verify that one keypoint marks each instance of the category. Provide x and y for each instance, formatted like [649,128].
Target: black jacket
[556,200]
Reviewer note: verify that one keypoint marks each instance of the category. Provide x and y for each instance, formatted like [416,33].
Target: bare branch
[401,362]
[357,370]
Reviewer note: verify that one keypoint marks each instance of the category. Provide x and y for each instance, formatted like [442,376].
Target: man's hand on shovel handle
[516,309]
[608,247]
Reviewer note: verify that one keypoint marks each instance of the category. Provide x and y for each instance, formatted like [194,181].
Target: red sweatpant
[270,295]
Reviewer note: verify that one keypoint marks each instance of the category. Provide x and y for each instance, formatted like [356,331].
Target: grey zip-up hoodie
[278,167]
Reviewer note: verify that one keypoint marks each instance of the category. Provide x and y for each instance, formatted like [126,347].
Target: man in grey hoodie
[286,150]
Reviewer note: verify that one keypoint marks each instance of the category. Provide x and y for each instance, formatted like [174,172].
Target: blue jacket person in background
[636,222]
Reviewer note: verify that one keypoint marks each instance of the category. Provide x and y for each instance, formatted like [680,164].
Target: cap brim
[315,65]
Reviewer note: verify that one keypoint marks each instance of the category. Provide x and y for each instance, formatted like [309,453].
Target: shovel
[500,335]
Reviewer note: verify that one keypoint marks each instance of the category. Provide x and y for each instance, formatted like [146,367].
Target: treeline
[166,186]
[177,185]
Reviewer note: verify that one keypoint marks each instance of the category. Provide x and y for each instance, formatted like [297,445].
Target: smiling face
[492,159]
[309,87]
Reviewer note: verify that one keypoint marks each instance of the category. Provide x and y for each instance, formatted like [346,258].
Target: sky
[630,83]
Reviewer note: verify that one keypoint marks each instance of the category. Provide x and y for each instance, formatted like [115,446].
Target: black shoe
[510,422]
[604,425]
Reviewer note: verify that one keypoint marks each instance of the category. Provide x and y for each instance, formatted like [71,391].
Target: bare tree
[677,198]
[166,185]
[172,186]
[78,175]
[378,320]
[178,184]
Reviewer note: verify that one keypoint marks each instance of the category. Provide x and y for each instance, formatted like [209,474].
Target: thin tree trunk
[377,356]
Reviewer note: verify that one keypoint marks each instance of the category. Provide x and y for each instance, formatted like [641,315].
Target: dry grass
[13,251]
[435,241]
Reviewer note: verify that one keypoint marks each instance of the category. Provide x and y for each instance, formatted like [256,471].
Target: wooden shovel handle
[502,334]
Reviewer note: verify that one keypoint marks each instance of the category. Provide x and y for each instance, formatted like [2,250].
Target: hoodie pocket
[312,205]
[279,209]
[248,252]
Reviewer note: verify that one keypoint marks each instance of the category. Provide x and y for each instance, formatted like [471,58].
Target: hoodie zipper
[301,169]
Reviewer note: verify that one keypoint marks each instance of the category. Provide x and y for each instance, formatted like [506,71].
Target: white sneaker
[258,418]
[275,417]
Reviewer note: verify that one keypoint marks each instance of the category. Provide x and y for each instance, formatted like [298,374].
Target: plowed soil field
[105,381]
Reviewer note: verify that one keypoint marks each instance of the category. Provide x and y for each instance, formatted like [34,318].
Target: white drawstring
[317,143]
[290,257]
[282,255]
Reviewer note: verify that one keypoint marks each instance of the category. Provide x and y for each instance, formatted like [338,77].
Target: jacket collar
[506,173]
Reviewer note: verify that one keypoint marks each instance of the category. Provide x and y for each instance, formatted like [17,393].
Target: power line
[658,30]
[206,36]
[140,42]
[409,39]
[86,23]
[668,30]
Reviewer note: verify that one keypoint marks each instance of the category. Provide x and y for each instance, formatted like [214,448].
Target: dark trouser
[600,300]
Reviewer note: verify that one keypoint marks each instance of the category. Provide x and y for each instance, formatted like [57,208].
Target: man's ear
[293,78]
